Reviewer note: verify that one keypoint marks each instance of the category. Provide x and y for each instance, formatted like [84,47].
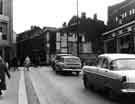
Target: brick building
[120,36]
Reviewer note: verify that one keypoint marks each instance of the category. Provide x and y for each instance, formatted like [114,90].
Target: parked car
[114,73]
[57,57]
[68,64]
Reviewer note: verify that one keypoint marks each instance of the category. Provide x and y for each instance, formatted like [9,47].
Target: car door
[103,73]
[95,73]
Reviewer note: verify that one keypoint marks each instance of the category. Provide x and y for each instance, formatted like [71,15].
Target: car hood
[130,75]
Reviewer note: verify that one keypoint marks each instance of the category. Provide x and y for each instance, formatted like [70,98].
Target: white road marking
[22,90]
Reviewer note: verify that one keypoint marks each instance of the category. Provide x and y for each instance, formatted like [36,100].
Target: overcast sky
[54,12]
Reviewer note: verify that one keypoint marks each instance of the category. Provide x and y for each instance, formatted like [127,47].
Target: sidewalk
[10,96]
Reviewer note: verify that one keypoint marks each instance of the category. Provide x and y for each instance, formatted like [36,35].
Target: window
[133,11]
[99,62]
[0,29]
[105,63]
[130,12]
[4,37]
[125,14]
[1,6]
[116,19]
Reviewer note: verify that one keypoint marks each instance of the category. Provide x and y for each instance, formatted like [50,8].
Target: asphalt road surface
[46,87]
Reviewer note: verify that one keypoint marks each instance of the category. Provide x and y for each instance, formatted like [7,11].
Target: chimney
[83,15]
[95,17]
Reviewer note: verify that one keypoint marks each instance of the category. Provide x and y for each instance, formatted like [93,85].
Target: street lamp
[77,31]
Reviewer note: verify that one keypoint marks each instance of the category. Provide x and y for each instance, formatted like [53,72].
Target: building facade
[6,29]
[120,37]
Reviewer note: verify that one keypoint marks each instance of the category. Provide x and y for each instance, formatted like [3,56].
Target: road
[41,85]
[52,88]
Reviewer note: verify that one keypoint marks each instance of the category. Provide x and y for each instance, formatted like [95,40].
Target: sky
[53,13]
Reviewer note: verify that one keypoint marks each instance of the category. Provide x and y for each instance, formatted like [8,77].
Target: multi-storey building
[121,34]
[6,28]
[31,43]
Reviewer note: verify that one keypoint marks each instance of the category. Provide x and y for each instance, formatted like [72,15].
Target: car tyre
[85,82]
[112,95]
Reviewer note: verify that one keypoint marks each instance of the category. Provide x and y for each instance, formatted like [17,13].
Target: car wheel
[85,82]
[112,95]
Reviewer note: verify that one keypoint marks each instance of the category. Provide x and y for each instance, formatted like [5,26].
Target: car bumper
[128,91]
[73,70]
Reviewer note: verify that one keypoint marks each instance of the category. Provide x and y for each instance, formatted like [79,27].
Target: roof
[63,54]
[115,56]
[70,57]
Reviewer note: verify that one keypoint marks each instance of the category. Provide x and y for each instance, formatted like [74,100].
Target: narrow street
[41,85]
[52,88]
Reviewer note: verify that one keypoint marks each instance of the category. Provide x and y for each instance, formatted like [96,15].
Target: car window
[124,64]
[99,62]
[72,60]
[57,57]
[61,59]
[105,63]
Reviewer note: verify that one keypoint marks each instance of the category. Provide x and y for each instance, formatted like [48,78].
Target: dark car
[57,57]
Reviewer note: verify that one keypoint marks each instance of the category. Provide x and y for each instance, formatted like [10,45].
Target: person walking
[27,63]
[14,63]
[3,73]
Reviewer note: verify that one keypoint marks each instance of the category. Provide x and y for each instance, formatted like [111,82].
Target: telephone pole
[77,30]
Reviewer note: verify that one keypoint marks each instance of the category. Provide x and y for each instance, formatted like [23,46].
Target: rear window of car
[124,64]
[72,60]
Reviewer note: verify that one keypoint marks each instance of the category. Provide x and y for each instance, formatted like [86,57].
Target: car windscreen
[72,60]
[124,64]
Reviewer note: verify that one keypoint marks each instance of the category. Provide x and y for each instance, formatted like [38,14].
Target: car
[57,57]
[68,64]
[113,73]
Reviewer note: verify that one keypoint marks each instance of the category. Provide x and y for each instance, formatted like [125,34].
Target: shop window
[4,37]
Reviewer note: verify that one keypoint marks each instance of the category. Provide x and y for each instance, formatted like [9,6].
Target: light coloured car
[114,73]
[68,64]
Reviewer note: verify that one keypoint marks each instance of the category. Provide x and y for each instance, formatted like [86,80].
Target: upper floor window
[1,6]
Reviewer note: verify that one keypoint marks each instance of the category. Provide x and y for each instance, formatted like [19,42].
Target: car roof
[115,56]
[63,54]
[70,57]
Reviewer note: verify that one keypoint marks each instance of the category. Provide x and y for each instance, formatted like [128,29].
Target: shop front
[120,40]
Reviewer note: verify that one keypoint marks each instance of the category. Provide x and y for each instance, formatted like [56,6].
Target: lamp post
[77,31]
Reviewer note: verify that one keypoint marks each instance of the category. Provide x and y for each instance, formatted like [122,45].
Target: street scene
[67,52]
[44,86]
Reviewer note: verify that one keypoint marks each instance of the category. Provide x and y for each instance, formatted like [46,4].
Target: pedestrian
[14,63]
[3,72]
[27,63]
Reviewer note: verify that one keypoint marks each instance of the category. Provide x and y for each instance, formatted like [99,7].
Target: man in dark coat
[3,72]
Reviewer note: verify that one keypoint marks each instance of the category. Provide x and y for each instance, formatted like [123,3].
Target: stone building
[6,29]
[120,37]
